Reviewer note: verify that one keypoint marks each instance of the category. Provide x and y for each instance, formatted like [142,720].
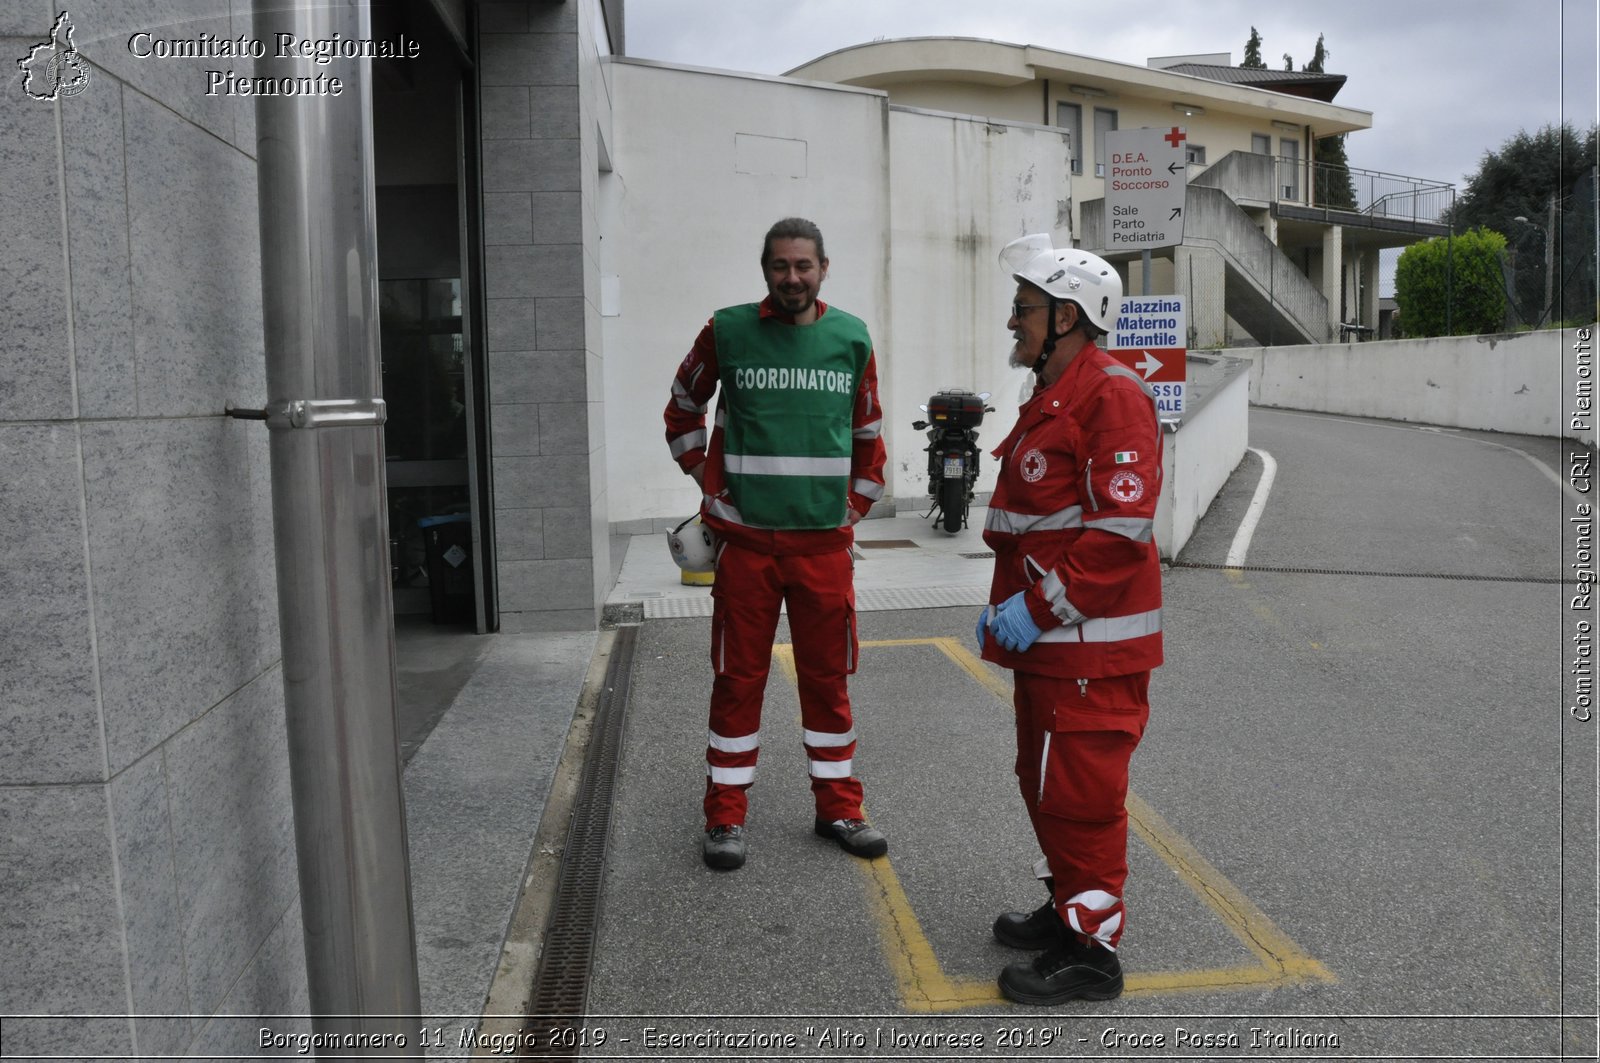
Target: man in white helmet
[1076,611]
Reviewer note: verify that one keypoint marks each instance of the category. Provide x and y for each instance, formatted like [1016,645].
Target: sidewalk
[902,562]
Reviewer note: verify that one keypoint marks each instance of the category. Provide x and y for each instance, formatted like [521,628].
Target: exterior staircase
[1263,291]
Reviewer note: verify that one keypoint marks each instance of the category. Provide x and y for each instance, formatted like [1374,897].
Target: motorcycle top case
[963,409]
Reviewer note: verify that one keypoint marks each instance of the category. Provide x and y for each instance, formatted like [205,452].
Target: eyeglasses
[1018,308]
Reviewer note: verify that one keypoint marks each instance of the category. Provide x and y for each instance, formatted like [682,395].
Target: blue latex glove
[1013,625]
[983,627]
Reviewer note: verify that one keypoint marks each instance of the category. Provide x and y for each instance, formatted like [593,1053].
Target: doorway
[435,438]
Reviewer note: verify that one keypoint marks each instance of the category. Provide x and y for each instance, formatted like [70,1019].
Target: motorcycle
[952,426]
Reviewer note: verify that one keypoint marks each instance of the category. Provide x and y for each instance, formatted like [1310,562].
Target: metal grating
[1367,572]
[879,599]
[560,991]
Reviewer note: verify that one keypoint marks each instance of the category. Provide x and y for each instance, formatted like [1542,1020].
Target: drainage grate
[1365,572]
[560,991]
[979,556]
[886,544]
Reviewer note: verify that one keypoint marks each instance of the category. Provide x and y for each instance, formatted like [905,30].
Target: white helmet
[1067,274]
[693,546]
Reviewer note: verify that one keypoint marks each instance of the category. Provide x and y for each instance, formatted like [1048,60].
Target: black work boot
[1070,970]
[1038,929]
[723,847]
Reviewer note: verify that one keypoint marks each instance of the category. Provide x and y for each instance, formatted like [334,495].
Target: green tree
[1252,52]
[1452,286]
[1318,58]
[1288,61]
[1330,184]
[1520,179]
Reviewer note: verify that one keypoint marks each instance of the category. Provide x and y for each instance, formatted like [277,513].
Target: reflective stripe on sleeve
[688,441]
[680,395]
[1009,523]
[1122,370]
[830,769]
[743,744]
[1139,529]
[824,740]
[1107,629]
[869,431]
[867,489]
[1055,592]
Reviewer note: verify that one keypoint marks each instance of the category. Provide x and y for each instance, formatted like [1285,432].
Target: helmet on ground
[1067,274]
[693,546]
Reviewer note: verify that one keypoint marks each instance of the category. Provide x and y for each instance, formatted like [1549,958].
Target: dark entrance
[440,535]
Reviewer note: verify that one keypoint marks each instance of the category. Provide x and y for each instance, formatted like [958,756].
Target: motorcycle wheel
[953,500]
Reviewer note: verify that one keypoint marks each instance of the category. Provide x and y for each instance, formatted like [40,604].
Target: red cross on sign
[1176,137]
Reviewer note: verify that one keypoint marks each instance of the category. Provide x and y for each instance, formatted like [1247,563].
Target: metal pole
[1549,262]
[1144,261]
[320,315]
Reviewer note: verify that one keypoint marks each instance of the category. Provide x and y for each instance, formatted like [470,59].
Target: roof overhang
[970,60]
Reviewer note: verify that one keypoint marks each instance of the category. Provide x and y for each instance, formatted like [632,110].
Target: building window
[1261,143]
[1289,168]
[1105,120]
[1069,116]
[1194,154]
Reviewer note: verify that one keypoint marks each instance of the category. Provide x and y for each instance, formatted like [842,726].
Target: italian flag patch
[1125,457]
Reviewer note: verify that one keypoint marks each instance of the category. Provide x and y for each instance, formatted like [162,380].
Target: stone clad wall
[146,840]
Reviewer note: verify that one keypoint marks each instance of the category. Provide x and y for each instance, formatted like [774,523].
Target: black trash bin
[448,541]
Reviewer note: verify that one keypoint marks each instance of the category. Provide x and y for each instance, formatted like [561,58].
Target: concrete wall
[705,162]
[546,108]
[960,189]
[1205,450]
[914,208]
[1522,383]
[146,846]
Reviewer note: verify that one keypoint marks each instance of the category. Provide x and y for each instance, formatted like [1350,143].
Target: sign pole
[1144,262]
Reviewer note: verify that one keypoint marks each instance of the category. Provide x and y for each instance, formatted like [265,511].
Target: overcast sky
[1444,81]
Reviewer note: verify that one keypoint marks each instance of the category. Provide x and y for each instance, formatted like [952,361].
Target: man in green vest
[795,457]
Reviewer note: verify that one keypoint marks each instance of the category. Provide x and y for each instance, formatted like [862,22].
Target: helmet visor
[1016,255]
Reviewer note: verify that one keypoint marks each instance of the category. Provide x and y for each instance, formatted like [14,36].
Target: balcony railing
[1374,193]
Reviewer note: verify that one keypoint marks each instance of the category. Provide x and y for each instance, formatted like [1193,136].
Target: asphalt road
[1364,822]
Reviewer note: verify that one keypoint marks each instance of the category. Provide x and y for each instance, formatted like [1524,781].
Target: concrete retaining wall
[1527,383]
[1201,455]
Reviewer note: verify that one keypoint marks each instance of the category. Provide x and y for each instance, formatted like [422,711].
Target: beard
[794,302]
[1018,359]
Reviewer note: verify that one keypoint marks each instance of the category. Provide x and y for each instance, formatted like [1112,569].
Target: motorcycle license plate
[954,466]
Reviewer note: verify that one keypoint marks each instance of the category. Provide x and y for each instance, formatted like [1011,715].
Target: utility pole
[1549,260]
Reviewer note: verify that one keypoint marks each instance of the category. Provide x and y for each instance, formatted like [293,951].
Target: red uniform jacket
[1072,523]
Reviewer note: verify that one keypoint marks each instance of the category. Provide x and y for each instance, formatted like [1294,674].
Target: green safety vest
[788,396]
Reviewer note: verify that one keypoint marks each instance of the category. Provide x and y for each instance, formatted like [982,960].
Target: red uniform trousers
[1074,741]
[749,590]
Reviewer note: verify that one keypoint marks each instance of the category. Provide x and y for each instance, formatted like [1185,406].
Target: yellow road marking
[923,984]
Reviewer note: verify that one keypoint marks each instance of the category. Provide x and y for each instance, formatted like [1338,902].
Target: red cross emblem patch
[1127,487]
[1033,466]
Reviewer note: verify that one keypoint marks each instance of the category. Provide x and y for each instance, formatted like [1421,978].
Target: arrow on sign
[1175,212]
[1172,167]
[1150,365]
